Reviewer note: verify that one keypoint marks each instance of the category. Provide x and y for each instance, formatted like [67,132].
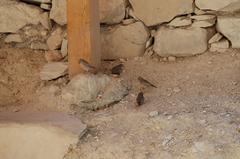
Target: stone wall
[129,28]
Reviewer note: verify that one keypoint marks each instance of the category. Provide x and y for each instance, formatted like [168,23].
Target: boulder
[38,135]
[14,16]
[112,11]
[155,12]
[124,41]
[53,70]
[217,37]
[229,26]
[91,91]
[180,42]
[218,5]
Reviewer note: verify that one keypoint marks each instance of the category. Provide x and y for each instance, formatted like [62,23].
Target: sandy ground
[198,100]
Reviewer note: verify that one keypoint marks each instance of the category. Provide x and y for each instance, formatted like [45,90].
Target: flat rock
[180,42]
[203,17]
[229,26]
[180,22]
[204,23]
[42,135]
[159,11]
[111,12]
[53,70]
[215,38]
[124,41]
[14,16]
[90,91]
[16,38]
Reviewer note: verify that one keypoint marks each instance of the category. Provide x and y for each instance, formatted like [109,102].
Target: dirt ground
[198,100]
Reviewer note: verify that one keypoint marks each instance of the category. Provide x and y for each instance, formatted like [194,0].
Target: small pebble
[153,114]
[176,90]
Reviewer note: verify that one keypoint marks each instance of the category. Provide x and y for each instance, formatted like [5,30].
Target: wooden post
[83,34]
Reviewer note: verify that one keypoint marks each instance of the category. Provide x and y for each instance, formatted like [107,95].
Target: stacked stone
[129,28]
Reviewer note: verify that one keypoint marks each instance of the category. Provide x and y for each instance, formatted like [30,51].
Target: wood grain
[83,34]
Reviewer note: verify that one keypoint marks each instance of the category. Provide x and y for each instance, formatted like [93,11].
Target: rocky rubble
[129,27]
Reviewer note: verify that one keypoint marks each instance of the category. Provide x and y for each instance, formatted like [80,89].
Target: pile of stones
[129,28]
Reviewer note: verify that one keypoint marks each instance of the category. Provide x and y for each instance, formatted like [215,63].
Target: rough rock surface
[59,11]
[93,91]
[124,41]
[112,12]
[53,70]
[19,14]
[218,5]
[24,135]
[230,28]
[154,12]
[180,42]
[55,39]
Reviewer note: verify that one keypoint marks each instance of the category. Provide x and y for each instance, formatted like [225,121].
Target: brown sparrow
[87,67]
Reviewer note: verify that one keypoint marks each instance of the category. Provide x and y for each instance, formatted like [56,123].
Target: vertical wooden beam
[83,34]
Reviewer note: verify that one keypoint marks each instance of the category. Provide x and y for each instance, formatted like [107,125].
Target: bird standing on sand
[140,99]
[87,67]
[117,70]
[145,82]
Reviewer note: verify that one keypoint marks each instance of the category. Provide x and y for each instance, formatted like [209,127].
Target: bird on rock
[117,70]
[87,67]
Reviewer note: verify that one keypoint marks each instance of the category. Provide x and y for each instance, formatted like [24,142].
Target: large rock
[218,5]
[38,135]
[112,11]
[180,42]
[59,11]
[14,16]
[153,12]
[124,41]
[230,28]
[90,91]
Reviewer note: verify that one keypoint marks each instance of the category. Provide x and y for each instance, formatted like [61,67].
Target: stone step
[28,135]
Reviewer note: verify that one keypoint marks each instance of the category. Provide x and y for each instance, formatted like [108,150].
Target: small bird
[117,70]
[145,82]
[140,99]
[87,67]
